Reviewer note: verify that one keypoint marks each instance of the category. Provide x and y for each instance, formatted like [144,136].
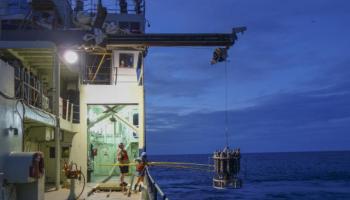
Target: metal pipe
[67,110]
[55,109]
[142,116]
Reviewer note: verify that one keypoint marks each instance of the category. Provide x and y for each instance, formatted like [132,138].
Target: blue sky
[289,87]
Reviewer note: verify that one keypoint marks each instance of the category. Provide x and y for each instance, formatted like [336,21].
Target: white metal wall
[10,139]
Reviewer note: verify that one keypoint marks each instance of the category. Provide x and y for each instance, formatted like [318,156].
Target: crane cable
[226,106]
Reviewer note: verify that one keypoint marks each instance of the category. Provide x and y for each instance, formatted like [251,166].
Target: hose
[83,187]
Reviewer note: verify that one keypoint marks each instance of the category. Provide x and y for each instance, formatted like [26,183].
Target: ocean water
[306,175]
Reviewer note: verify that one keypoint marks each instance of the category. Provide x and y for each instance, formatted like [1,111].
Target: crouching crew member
[140,169]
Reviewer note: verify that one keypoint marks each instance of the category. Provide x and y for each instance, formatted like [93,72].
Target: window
[124,25]
[133,27]
[135,119]
[65,152]
[52,152]
[126,60]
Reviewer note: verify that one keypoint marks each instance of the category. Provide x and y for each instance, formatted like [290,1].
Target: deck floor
[63,193]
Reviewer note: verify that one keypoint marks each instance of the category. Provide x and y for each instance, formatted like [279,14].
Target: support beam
[40,63]
[114,113]
[99,66]
[46,56]
[115,109]
[75,37]
[170,39]
[142,118]
[126,123]
[14,53]
[55,108]
[30,54]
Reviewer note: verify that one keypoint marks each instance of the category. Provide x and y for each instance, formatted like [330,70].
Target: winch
[73,173]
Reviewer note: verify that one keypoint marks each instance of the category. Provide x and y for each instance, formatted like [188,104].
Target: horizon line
[305,151]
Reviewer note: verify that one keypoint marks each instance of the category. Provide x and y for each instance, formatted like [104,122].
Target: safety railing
[117,7]
[154,192]
[29,88]
[69,111]
[103,76]
[13,9]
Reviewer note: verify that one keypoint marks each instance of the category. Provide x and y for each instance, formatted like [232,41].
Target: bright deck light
[70,57]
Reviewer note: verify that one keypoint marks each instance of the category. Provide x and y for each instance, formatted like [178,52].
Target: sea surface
[305,175]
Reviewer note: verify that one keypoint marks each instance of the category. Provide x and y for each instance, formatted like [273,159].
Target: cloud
[175,73]
[286,44]
[288,77]
[282,122]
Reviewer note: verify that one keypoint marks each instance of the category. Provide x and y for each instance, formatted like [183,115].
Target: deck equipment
[226,168]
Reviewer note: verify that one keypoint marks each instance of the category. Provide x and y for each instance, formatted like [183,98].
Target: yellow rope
[157,164]
[118,164]
[179,163]
[184,167]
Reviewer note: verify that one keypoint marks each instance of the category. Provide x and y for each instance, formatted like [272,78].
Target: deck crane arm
[169,40]
[181,39]
[75,37]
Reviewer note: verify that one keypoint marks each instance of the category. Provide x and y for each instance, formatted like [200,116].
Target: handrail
[69,111]
[154,192]
[103,77]
[113,8]
[30,89]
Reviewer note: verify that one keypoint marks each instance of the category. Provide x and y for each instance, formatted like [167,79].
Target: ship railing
[97,77]
[29,88]
[113,8]
[14,9]
[154,192]
[69,111]
[92,76]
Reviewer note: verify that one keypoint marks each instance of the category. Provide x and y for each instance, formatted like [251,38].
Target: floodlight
[70,56]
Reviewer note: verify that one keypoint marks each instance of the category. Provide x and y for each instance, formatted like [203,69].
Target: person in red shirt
[140,169]
[123,158]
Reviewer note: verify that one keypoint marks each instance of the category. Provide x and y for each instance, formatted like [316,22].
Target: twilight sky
[289,86]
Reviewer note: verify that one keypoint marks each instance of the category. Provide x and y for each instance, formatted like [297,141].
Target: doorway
[107,127]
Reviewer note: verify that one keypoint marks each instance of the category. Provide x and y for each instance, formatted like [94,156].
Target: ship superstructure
[72,87]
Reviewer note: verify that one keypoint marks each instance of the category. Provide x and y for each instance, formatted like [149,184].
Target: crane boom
[182,39]
[75,37]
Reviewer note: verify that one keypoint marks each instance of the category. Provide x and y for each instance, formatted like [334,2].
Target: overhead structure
[76,37]
[181,39]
